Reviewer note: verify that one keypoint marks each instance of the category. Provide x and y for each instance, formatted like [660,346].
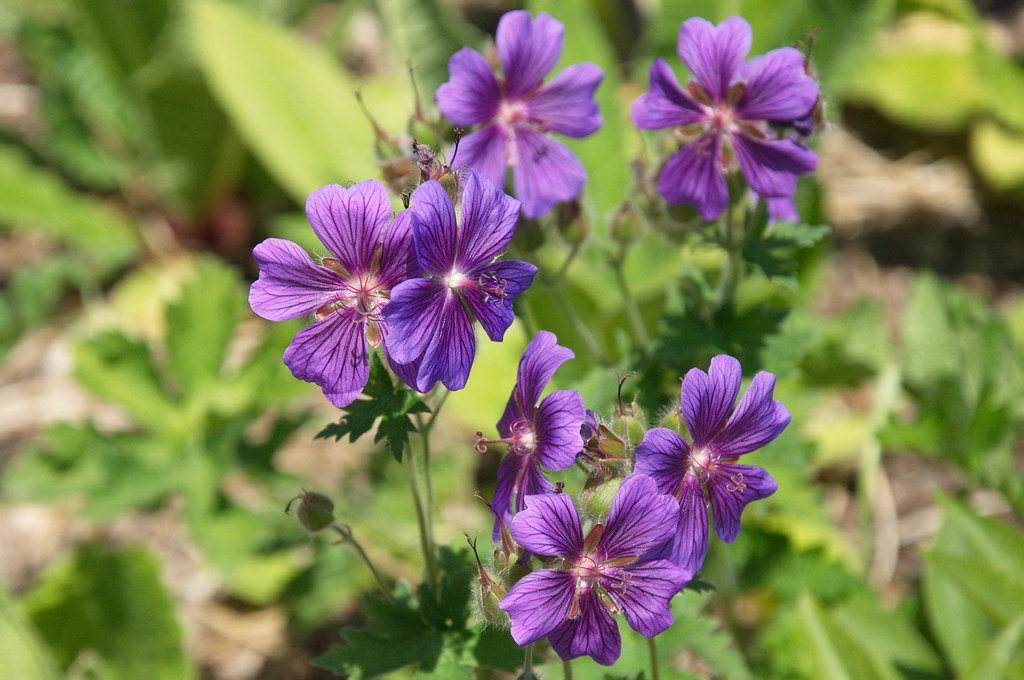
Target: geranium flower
[547,434]
[431,318]
[732,106]
[704,471]
[346,292]
[517,110]
[606,573]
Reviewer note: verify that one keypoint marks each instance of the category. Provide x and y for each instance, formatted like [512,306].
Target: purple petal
[546,172]
[566,104]
[691,541]
[757,420]
[664,457]
[665,104]
[593,633]
[485,152]
[527,49]
[780,209]
[413,316]
[706,399]
[518,478]
[772,165]
[488,222]
[694,175]
[471,94]
[731,487]
[350,222]
[332,354]
[537,604]
[398,257]
[714,53]
[539,361]
[776,87]
[450,351]
[647,596]
[640,519]
[290,285]
[550,525]
[493,310]
[406,372]
[557,423]
[433,224]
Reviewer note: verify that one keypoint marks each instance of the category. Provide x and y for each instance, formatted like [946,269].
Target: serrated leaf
[110,603]
[776,249]
[290,101]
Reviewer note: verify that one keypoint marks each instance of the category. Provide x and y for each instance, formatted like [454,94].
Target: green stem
[733,265]
[528,662]
[566,307]
[424,431]
[636,321]
[569,259]
[566,670]
[426,533]
[652,648]
[346,535]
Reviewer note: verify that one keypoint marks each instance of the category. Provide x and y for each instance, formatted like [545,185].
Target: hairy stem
[528,662]
[346,536]
[652,648]
[566,670]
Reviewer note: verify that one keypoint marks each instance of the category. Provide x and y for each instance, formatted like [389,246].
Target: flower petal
[513,488]
[566,104]
[780,208]
[290,284]
[537,604]
[433,227]
[706,399]
[546,172]
[539,361]
[527,49]
[488,222]
[450,351]
[777,87]
[663,456]
[665,104]
[350,222]
[471,94]
[412,317]
[640,519]
[485,152]
[772,165]
[731,488]
[756,421]
[593,633]
[694,175]
[550,525]
[646,600]
[557,424]
[714,53]
[332,354]
[398,256]
[691,541]
[493,310]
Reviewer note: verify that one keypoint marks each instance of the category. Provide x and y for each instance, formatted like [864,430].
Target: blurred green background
[150,435]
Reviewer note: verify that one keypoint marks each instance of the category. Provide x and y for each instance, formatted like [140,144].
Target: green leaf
[23,653]
[495,648]
[201,323]
[995,662]
[998,154]
[775,249]
[110,603]
[31,197]
[289,100]
[999,592]
[930,346]
[391,405]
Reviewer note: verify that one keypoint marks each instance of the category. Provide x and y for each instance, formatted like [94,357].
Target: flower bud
[450,183]
[630,423]
[672,420]
[572,223]
[597,495]
[316,511]
[625,226]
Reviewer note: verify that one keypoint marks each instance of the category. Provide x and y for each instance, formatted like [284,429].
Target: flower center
[456,279]
[722,118]
[511,112]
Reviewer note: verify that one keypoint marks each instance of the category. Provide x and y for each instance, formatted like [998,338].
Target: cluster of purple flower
[656,533]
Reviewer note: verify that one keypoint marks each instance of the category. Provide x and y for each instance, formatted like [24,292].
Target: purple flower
[517,110]
[730,100]
[547,434]
[704,471]
[431,318]
[599,576]
[346,292]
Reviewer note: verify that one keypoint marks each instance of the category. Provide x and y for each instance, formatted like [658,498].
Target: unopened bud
[316,511]
[528,236]
[598,494]
[672,421]
[450,183]
[520,569]
[625,226]
[572,223]
[630,424]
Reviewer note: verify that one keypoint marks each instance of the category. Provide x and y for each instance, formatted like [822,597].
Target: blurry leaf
[127,35]
[427,33]
[495,648]
[998,154]
[837,656]
[603,153]
[33,198]
[294,107]
[999,592]
[993,665]
[23,654]
[393,407]
[1002,82]
[887,635]
[201,323]
[775,249]
[930,347]
[111,603]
